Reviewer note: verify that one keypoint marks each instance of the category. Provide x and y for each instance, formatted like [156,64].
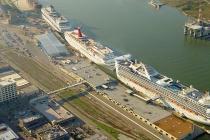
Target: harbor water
[153,36]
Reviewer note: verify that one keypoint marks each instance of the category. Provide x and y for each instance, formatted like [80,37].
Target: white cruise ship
[186,101]
[94,51]
[54,19]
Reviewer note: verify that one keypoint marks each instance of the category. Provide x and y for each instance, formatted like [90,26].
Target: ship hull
[188,114]
[152,95]
[50,21]
[82,49]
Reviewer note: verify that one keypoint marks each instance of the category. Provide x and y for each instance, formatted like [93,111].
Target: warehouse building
[51,45]
[54,112]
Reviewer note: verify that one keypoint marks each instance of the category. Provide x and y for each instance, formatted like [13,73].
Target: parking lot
[97,78]
[89,72]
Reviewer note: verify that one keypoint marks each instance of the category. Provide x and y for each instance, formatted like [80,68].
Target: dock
[197,30]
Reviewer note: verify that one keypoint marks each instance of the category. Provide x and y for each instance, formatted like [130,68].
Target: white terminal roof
[51,45]
[6,82]
[195,27]
[6,133]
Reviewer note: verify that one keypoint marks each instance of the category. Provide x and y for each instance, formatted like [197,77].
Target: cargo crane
[197,28]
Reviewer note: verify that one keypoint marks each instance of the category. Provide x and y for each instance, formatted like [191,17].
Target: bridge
[64,88]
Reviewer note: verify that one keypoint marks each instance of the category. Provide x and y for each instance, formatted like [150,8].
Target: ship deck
[175,126]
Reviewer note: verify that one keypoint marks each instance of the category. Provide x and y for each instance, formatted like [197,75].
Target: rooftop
[175,126]
[31,118]
[194,26]
[15,77]
[6,133]
[53,133]
[51,110]
[6,82]
[51,45]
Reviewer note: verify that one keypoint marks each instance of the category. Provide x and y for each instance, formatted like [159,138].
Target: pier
[196,30]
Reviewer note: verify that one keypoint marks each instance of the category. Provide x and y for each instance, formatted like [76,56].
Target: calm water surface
[155,37]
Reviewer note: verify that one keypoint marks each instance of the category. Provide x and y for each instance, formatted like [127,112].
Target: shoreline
[182,7]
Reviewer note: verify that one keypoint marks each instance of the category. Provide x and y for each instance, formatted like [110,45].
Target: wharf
[196,30]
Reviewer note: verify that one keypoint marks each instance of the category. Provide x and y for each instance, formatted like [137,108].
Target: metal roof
[6,133]
[51,45]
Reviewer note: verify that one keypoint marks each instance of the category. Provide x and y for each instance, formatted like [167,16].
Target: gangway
[153,99]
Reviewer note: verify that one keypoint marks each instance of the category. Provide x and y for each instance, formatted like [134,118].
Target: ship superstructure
[91,49]
[54,19]
[187,101]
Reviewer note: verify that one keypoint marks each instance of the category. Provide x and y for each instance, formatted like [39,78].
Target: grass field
[191,7]
[36,71]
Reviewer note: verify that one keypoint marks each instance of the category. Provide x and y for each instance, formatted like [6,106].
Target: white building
[7,90]
[6,133]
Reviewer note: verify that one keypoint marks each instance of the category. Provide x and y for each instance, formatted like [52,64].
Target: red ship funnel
[79,32]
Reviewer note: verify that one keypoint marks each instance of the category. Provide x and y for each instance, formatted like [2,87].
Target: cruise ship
[155,4]
[94,51]
[54,19]
[185,100]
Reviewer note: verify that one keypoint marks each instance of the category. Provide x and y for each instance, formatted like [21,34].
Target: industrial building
[7,90]
[6,133]
[54,112]
[20,82]
[31,122]
[51,45]
[52,133]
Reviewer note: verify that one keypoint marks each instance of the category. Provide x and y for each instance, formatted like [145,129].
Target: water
[155,37]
